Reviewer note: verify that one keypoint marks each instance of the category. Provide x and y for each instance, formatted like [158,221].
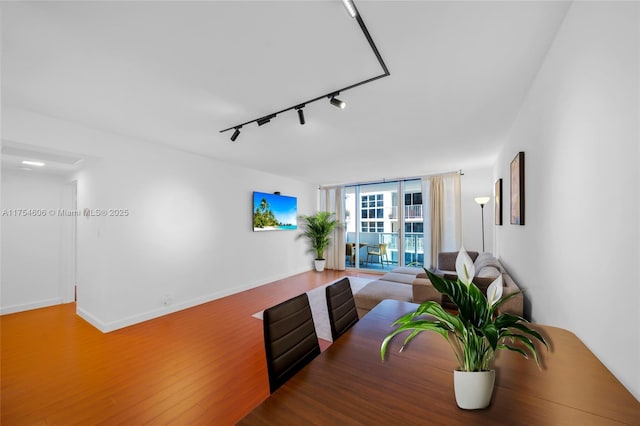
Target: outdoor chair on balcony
[379,250]
[350,253]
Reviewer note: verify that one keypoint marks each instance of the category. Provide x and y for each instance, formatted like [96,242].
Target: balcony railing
[413,212]
[413,245]
[410,212]
[413,242]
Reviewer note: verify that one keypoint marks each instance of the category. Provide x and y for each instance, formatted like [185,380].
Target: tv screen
[274,212]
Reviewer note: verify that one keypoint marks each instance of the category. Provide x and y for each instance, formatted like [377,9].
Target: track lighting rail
[331,95]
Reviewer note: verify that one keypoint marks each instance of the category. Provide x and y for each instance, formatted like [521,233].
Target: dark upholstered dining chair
[342,307]
[290,339]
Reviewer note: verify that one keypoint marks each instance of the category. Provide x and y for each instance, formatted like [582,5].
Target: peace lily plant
[476,332]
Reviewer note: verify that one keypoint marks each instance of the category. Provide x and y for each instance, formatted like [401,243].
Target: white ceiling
[176,73]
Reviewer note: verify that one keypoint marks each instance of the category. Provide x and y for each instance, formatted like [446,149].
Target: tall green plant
[317,228]
[476,332]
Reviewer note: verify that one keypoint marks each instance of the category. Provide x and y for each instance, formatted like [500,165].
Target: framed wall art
[517,189]
[497,196]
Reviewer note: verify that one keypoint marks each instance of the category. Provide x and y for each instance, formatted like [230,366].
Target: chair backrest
[349,249]
[377,249]
[342,307]
[290,339]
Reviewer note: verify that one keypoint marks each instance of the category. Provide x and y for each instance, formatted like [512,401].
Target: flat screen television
[274,212]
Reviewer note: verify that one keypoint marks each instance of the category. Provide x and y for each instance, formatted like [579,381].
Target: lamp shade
[482,200]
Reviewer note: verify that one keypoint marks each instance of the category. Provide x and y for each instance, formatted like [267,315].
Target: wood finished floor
[204,365]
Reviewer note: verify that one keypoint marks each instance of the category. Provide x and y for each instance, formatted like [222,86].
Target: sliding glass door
[384,225]
[413,223]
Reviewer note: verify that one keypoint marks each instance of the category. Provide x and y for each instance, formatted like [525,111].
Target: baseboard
[267,281]
[106,326]
[31,305]
[91,319]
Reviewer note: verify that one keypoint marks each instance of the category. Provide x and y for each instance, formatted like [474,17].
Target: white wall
[477,183]
[188,233]
[577,256]
[36,250]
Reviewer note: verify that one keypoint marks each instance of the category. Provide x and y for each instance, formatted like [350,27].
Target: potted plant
[475,332]
[317,228]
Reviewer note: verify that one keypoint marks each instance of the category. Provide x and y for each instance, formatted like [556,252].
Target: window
[413,199]
[372,227]
[372,207]
[413,227]
[413,206]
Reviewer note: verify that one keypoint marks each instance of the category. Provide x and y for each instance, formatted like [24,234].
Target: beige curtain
[435,202]
[445,214]
[332,200]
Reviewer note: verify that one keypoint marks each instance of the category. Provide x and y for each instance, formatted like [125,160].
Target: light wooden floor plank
[203,365]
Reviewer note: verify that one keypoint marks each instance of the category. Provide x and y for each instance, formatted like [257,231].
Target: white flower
[464,267]
[494,291]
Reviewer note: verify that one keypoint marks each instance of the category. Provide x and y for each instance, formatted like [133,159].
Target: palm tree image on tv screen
[274,212]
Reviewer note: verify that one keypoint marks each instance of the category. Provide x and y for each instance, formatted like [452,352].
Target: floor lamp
[482,201]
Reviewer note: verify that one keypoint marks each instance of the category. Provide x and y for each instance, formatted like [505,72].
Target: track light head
[235,134]
[301,116]
[265,119]
[351,8]
[337,102]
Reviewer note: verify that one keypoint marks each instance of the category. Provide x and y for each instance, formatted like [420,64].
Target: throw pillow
[447,259]
[481,282]
[488,272]
[484,260]
[493,273]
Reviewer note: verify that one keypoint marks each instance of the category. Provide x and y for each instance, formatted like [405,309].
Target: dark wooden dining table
[350,384]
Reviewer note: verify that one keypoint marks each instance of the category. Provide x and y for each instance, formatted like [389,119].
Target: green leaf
[410,337]
[437,311]
[457,292]
[527,343]
[443,286]
[514,349]
[406,318]
[478,313]
[386,341]
[503,299]
[506,320]
[491,333]
[416,327]
[531,332]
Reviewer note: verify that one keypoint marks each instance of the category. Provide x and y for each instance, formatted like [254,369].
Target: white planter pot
[319,263]
[473,389]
